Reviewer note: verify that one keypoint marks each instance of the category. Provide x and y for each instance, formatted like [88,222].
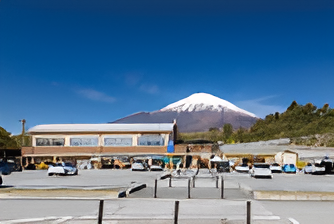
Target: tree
[227,131]
[213,129]
[239,135]
[277,115]
[6,140]
[293,105]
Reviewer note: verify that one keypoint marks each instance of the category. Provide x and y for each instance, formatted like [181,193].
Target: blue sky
[80,61]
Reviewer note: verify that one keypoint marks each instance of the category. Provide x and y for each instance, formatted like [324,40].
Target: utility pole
[23,121]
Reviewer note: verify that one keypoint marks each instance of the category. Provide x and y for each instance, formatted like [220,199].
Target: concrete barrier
[134,187]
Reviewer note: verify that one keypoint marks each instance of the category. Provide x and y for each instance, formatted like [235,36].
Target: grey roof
[254,150]
[63,128]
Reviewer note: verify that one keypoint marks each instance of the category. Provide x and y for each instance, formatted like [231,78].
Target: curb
[293,196]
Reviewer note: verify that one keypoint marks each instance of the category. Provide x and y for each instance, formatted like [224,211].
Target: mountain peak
[203,101]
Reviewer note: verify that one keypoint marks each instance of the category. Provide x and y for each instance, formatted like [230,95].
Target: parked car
[107,162]
[5,168]
[261,170]
[62,169]
[318,168]
[243,168]
[289,168]
[276,168]
[220,164]
[157,163]
[223,166]
[139,165]
[308,169]
[328,163]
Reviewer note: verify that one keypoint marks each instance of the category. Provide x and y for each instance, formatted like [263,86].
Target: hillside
[296,122]
[303,124]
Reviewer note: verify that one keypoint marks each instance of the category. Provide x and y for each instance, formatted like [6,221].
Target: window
[118,141]
[50,141]
[84,141]
[157,140]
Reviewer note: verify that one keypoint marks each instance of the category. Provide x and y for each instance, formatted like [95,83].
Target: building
[286,157]
[85,141]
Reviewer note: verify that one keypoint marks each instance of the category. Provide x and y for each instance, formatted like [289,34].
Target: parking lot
[40,207]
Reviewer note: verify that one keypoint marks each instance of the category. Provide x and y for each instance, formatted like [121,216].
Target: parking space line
[293,221]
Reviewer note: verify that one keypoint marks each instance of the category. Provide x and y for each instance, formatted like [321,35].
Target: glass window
[84,141]
[157,140]
[50,141]
[118,141]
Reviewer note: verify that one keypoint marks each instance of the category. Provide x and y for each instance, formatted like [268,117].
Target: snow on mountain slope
[203,101]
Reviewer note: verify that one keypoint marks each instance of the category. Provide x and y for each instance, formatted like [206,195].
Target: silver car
[62,169]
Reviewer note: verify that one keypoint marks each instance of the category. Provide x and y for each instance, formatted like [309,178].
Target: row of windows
[154,140]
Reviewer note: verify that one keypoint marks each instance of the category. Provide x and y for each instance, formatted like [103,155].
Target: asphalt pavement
[75,199]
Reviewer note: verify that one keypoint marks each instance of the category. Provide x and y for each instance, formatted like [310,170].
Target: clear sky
[80,61]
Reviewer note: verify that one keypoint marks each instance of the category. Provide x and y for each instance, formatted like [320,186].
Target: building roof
[64,128]
[253,150]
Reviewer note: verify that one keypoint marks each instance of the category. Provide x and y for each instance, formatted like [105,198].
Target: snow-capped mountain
[203,101]
[196,113]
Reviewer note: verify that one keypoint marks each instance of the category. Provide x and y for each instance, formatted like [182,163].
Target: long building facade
[91,140]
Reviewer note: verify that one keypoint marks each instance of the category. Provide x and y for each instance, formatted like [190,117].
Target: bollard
[170,181]
[248,221]
[188,187]
[217,181]
[176,212]
[222,188]
[155,188]
[100,212]
[193,181]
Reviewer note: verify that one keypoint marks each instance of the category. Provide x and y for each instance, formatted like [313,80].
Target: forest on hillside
[303,124]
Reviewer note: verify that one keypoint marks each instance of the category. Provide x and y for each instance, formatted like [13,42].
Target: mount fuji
[197,113]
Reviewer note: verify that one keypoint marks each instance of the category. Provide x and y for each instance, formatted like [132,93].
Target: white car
[308,168]
[156,168]
[276,168]
[261,170]
[244,168]
[62,169]
[318,168]
[139,165]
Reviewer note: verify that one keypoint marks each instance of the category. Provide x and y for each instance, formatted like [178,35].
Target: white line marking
[293,221]
[263,217]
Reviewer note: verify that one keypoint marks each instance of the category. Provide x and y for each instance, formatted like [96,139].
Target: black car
[222,166]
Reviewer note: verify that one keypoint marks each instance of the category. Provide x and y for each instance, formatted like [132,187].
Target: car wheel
[0,180]
[50,174]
